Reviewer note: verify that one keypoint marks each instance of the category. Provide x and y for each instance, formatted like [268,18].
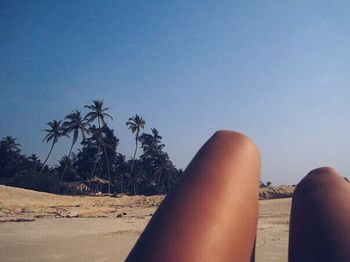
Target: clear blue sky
[278,71]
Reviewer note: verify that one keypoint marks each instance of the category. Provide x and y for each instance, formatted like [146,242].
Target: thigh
[212,213]
[320,218]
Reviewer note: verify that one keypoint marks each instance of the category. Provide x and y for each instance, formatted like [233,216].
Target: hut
[77,186]
[97,184]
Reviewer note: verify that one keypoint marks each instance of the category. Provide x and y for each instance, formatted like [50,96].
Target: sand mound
[17,204]
[273,192]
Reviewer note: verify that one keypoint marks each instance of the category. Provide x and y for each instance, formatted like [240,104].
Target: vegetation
[54,133]
[74,124]
[268,184]
[96,165]
[135,124]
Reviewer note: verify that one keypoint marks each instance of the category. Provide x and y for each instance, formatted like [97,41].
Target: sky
[277,71]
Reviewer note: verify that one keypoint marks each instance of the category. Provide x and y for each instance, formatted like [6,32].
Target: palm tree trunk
[104,149]
[65,167]
[109,185]
[98,150]
[135,188]
[132,166]
[95,164]
[53,143]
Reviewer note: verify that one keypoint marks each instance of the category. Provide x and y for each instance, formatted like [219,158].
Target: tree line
[97,157]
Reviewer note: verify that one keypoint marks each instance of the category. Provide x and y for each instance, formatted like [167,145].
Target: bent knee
[327,172]
[235,139]
[318,179]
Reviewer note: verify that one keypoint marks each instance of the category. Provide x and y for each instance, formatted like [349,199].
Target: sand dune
[18,203]
[84,228]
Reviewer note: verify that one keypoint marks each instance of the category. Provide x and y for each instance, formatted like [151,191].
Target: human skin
[212,213]
[320,218]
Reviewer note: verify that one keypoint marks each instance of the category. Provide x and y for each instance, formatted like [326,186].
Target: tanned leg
[320,218]
[212,214]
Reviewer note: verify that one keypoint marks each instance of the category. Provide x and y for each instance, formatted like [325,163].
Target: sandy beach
[45,227]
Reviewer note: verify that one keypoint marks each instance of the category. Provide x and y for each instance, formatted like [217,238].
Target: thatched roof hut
[97,184]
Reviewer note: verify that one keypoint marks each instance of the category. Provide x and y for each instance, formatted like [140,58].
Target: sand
[67,228]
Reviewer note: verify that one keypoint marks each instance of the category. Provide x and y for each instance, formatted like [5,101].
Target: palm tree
[121,168]
[54,133]
[34,160]
[135,124]
[11,144]
[99,113]
[94,141]
[74,124]
[162,172]
[151,144]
